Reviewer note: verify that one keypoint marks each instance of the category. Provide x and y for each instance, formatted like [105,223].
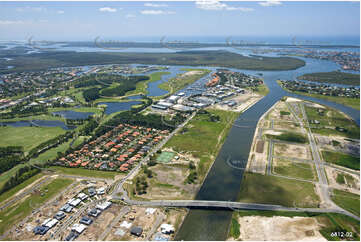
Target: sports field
[165,157]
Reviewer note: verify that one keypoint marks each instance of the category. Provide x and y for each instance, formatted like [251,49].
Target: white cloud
[31,9]
[60,12]
[270,3]
[130,16]
[10,22]
[108,9]
[154,5]
[217,5]
[156,12]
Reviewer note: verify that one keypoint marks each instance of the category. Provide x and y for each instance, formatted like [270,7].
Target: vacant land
[43,61]
[347,200]
[331,122]
[332,77]
[23,208]
[252,224]
[290,137]
[341,159]
[28,137]
[203,137]
[257,188]
[85,172]
[294,169]
[291,150]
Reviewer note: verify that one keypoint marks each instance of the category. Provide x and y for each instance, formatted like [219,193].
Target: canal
[223,182]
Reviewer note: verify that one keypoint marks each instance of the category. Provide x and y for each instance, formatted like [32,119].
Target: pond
[39,123]
[113,107]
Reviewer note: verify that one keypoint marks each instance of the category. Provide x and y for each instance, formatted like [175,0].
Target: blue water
[69,114]
[40,123]
[113,107]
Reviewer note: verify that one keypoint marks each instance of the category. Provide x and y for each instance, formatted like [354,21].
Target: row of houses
[118,149]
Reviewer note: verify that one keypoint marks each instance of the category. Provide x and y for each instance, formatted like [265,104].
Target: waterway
[69,114]
[113,107]
[223,182]
[39,123]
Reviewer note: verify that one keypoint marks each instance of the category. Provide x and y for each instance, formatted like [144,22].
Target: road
[25,193]
[121,213]
[155,226]
[233,205]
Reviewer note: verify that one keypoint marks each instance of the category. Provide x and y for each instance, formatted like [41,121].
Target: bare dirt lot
[275,114]
[243,102]
[277,228]
[291,150]
[351,182]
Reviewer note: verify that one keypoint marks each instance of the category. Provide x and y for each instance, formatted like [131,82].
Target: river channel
[223,182]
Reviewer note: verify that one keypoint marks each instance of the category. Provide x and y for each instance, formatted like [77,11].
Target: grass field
[258,188]
[85,172]
[347,201]
[182,80]
[17,188]
[81,109]
[341,159]
[20,210]
[261,89]
[329,120]
[294,169]
[34,117]
[203,138]
[28,137]
[289,136]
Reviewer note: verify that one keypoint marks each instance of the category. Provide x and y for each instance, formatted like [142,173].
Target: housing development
[208,140]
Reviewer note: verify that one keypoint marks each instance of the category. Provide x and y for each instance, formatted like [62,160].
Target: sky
[73,21]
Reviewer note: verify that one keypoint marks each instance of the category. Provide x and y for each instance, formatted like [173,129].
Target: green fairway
[258,188]
[85,172]
[346,200]
[341,159]
[294,169]
[20,210]
[28,137]
[165,157]
[203,137]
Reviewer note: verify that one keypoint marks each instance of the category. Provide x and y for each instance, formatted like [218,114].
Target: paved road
[270,155]
[107,230]
[156,224]
[233,205]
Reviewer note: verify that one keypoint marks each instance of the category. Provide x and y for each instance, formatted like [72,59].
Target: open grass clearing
[258,188]
[294,169]
[85,172]
[28,137]
[341,159]
[347,201]
[203,137]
